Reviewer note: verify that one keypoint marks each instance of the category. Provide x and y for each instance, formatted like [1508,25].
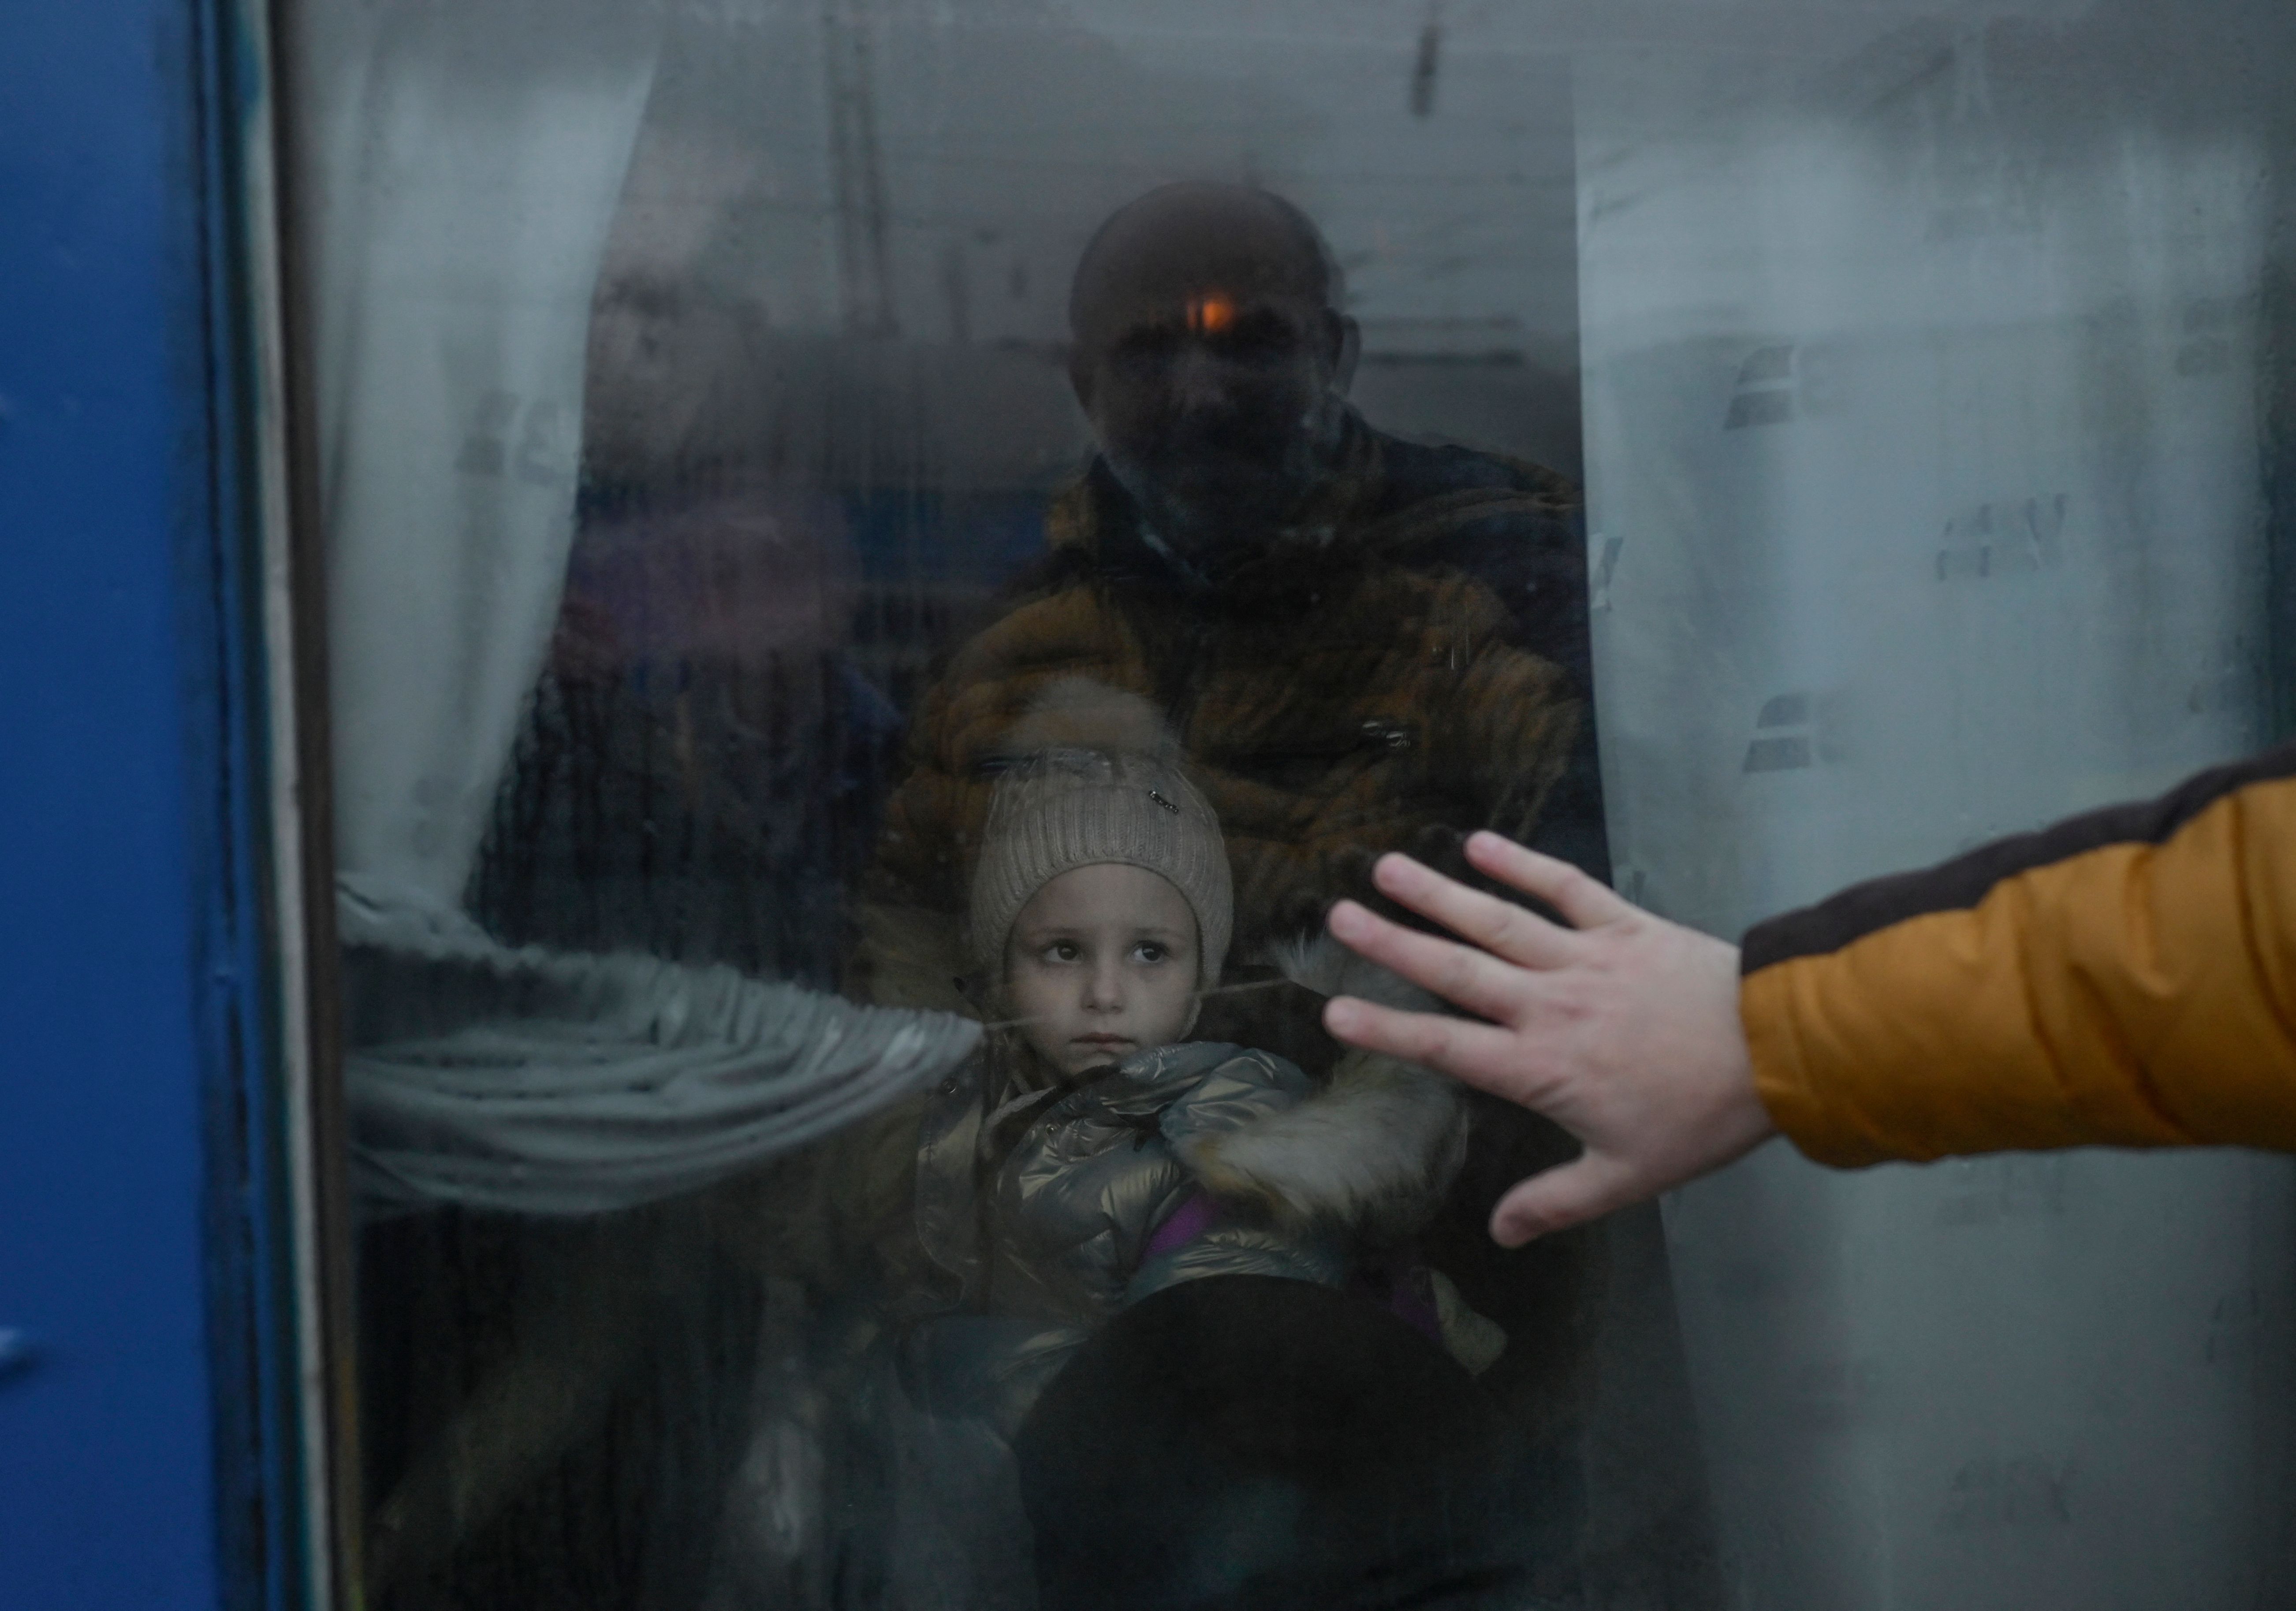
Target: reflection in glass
[758,438]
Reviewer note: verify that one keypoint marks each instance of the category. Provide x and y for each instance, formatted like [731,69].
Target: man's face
[1101,964]
[1214,408]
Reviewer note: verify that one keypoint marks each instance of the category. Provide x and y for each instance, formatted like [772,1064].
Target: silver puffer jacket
[1046,1210]
[1029,1220]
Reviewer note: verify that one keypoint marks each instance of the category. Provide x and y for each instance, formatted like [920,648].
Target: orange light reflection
[1210,314]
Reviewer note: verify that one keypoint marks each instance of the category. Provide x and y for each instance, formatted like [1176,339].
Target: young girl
[1089,1155]
[1093,1154]
[1059,1183]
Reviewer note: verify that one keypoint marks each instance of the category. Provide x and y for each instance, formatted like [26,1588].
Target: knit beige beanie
[1058,809]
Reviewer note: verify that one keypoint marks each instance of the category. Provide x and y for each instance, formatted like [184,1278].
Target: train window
[886,563]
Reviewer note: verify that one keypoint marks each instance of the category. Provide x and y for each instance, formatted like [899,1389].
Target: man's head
[1211,356]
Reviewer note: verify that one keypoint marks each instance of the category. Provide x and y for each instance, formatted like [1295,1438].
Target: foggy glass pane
[888,561]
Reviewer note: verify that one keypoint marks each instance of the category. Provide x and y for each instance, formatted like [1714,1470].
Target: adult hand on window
[1623,1028]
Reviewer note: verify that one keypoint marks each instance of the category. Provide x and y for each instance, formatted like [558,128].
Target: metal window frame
[313,1558]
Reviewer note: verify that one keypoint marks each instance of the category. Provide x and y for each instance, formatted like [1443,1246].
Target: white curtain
[1924,492]
[461,167]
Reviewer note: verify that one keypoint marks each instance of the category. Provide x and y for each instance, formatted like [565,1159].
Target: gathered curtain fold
[462,167]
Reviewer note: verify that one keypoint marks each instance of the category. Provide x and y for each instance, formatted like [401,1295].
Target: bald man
[1356,644]
[1361,643]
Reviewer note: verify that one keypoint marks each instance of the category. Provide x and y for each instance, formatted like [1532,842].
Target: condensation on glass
[799,481]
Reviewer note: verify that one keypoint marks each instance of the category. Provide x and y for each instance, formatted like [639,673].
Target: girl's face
[1102,963]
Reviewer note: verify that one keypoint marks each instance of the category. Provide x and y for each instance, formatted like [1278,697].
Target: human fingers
[1499,927]
[1478,1053]
[1460,973]
[1587,902]
[1586,1188]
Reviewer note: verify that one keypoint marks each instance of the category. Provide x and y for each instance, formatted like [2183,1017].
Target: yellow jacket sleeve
[2127,977]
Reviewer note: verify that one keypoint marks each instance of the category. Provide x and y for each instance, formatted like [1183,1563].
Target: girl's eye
[1063,951]
[1151,952]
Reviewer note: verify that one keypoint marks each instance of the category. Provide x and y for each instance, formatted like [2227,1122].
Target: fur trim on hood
[1377,1147]
[1083,713]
